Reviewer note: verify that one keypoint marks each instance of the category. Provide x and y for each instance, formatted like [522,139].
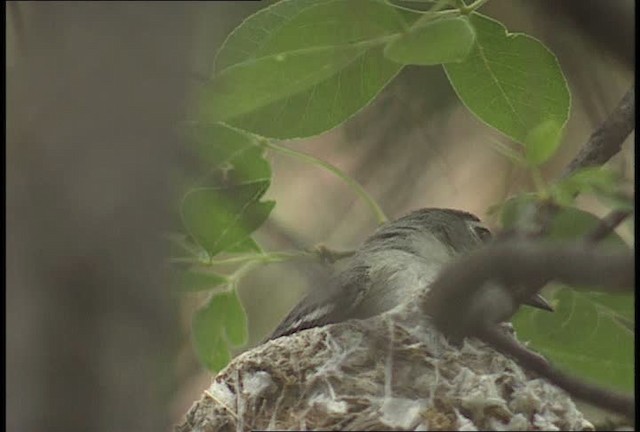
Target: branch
[528,266]
[462,303]
[520,267]
[603,144]
[607,140]
[607,225]
[612,400]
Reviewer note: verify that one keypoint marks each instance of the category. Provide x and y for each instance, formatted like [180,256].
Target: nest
[384,373]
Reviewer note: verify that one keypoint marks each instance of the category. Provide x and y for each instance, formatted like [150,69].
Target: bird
[396,263]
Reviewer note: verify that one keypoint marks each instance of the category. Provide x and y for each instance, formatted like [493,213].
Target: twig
[607,140]
[614,401]
[603,144]
[330,256]
[607,225]
[354,185]
[221,403]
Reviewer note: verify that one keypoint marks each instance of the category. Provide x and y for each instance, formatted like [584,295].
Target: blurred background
[96,338]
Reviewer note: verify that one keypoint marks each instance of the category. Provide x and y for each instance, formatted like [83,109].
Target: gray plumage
[395,263]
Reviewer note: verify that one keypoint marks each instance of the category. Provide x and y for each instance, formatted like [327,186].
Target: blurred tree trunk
[94,93]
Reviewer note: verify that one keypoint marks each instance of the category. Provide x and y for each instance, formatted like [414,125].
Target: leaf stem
[476,5]
[404,8]
[539,183]
[435,9]
[354,185]
[253,261]
[467,9]
[263,258]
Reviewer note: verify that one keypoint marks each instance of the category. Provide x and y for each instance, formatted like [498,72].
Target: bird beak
[537,301]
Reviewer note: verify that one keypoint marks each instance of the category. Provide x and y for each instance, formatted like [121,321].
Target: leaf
[436,42]
[220,322]
[236,321]
[617,201]
[181,243]
[301,67]
[520,212]
[252,85]
[514,84]
[249,38]
[573,223]
[221,218]
[325,105]
[247,245]
[509,153]
[542,141]
[230,155]
[586,335]
[584,180]
[568,223]
[217,144]
[193,280]
[335,23]
[600,181]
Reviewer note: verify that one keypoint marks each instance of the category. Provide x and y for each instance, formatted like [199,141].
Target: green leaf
[218,324]
[236,321]
[325,105]
[335,23]
[436,42]
[252,36]
[617,201]
[542,141]
[247,245]
[193,280]
[181,243]
[514,84]
[221,218]
[586,180]
[589,334]
[217,145]
[520,212]
[298,68]
[572,223]
[568,223]
[600,181]
[228,156]
[252,85]
[508,152]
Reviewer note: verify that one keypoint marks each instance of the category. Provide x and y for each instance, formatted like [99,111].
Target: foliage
[299,68]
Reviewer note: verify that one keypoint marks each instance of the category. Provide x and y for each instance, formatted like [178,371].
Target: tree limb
[463,302]
[607,140]
[523,266]
[607,225]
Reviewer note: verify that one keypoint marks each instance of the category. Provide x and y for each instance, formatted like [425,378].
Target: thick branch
[524,265]
[607,140]
[471,296]
[607,225]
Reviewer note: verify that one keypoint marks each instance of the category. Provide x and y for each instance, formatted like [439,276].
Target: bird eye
[482,232]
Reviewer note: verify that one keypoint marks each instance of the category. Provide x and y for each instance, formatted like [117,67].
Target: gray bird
[390,268]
